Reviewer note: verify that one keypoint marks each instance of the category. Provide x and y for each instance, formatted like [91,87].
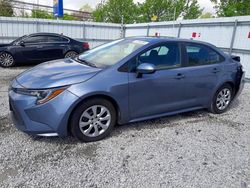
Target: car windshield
[111,53]
[18,39]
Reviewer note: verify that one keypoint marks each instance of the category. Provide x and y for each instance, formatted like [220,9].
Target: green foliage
[206,15]
[37,13]
[67,16]
[164,10]
[191,9]
[115,11]
[6,8]
[232,7]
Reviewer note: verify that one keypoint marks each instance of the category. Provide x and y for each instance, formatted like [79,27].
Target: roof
[49,34]
[167,39]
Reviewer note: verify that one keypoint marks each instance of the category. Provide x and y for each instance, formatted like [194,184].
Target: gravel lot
[195,149]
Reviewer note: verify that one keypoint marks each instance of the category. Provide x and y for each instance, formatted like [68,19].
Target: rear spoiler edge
[235,58]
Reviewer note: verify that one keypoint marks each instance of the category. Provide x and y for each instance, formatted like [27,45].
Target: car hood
[55,74]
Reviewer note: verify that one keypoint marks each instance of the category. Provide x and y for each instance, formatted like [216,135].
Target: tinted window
[164,56]
[35,39]
[201,55]
[56,39]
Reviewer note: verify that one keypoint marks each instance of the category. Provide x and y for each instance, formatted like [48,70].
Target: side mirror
[22,43]
[145,68]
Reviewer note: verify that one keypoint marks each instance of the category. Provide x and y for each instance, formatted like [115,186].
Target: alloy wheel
[71,54]
[6,60]
[95,121]
[223,99]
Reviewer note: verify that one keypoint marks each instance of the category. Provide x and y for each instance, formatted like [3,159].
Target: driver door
[33,47]
[160,92]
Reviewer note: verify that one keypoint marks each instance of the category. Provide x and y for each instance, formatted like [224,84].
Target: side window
[201,55]
[36,39]
[56,39]
[163,57]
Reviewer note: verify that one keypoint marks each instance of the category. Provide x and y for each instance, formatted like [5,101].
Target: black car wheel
[71,54]
[222,99]
[93,120]
[6,60]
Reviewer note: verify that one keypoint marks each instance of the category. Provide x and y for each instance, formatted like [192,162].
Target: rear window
[202,55]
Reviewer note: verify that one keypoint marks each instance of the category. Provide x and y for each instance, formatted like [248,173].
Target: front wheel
[222,99]
[6,60]
[93,120]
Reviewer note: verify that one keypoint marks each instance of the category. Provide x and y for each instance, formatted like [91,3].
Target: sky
[76,4]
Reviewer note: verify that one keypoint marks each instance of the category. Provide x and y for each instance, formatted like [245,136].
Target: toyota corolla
[123,81]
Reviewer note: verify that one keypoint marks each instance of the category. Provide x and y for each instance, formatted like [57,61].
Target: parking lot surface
[196,149]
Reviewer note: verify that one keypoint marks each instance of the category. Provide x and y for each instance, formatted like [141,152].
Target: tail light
[85,45]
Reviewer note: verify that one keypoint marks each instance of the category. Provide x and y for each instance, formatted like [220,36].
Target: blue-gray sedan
[123,81]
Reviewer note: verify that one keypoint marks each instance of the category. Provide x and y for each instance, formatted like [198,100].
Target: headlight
[42,96]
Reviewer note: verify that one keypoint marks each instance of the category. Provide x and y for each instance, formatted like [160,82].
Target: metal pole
[148,27]
[179,31]
[122,28]
[233,37]
[84,31]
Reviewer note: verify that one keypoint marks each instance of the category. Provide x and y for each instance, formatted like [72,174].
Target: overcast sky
[76,4]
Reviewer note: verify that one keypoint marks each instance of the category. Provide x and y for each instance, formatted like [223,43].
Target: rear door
[56,47]
[203,69]
[32,48]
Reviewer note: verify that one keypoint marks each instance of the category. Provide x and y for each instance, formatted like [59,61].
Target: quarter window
[163,57]
[56,39]
[201,55]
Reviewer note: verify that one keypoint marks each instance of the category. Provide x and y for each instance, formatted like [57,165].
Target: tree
[232,7]
[37,13]
[162,10]
[116,11]
[6,8]
[167,10]
[191,9]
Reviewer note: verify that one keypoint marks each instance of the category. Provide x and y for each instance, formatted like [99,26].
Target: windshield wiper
[85,62]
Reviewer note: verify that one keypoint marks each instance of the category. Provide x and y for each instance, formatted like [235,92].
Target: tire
[6,60]
[71,54]
[222,99]
[88,127]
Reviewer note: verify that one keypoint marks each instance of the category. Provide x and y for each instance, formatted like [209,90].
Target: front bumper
[50,118]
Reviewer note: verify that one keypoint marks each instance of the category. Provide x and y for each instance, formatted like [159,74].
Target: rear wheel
[71,54]
[93,120]
[222,99]
[6,60]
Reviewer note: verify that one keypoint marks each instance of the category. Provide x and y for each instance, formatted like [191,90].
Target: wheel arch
[70,50]
[102,96]
[8,52]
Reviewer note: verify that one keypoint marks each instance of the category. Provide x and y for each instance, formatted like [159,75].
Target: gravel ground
[196,149]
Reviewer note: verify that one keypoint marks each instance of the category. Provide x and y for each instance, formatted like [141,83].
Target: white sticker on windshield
[141,42]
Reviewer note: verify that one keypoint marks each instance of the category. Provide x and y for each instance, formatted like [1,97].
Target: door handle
[39,47]
[215,70]
[179,76]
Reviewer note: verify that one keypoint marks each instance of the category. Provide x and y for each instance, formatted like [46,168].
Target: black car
[40,47]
